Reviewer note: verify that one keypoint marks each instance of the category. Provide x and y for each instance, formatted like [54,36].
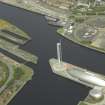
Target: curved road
[11,72]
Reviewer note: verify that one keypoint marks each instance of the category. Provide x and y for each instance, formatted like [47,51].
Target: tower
[59,52]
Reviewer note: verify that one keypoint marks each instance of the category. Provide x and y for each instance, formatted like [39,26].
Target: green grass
[18,73]
[5,70]
[21,75]
[60,30]
[82,103]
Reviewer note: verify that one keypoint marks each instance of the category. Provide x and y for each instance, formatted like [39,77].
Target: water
[47,88]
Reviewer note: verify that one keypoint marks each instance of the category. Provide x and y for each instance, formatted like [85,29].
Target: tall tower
[59,52]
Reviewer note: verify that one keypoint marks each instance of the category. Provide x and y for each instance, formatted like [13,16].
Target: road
[10,77]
